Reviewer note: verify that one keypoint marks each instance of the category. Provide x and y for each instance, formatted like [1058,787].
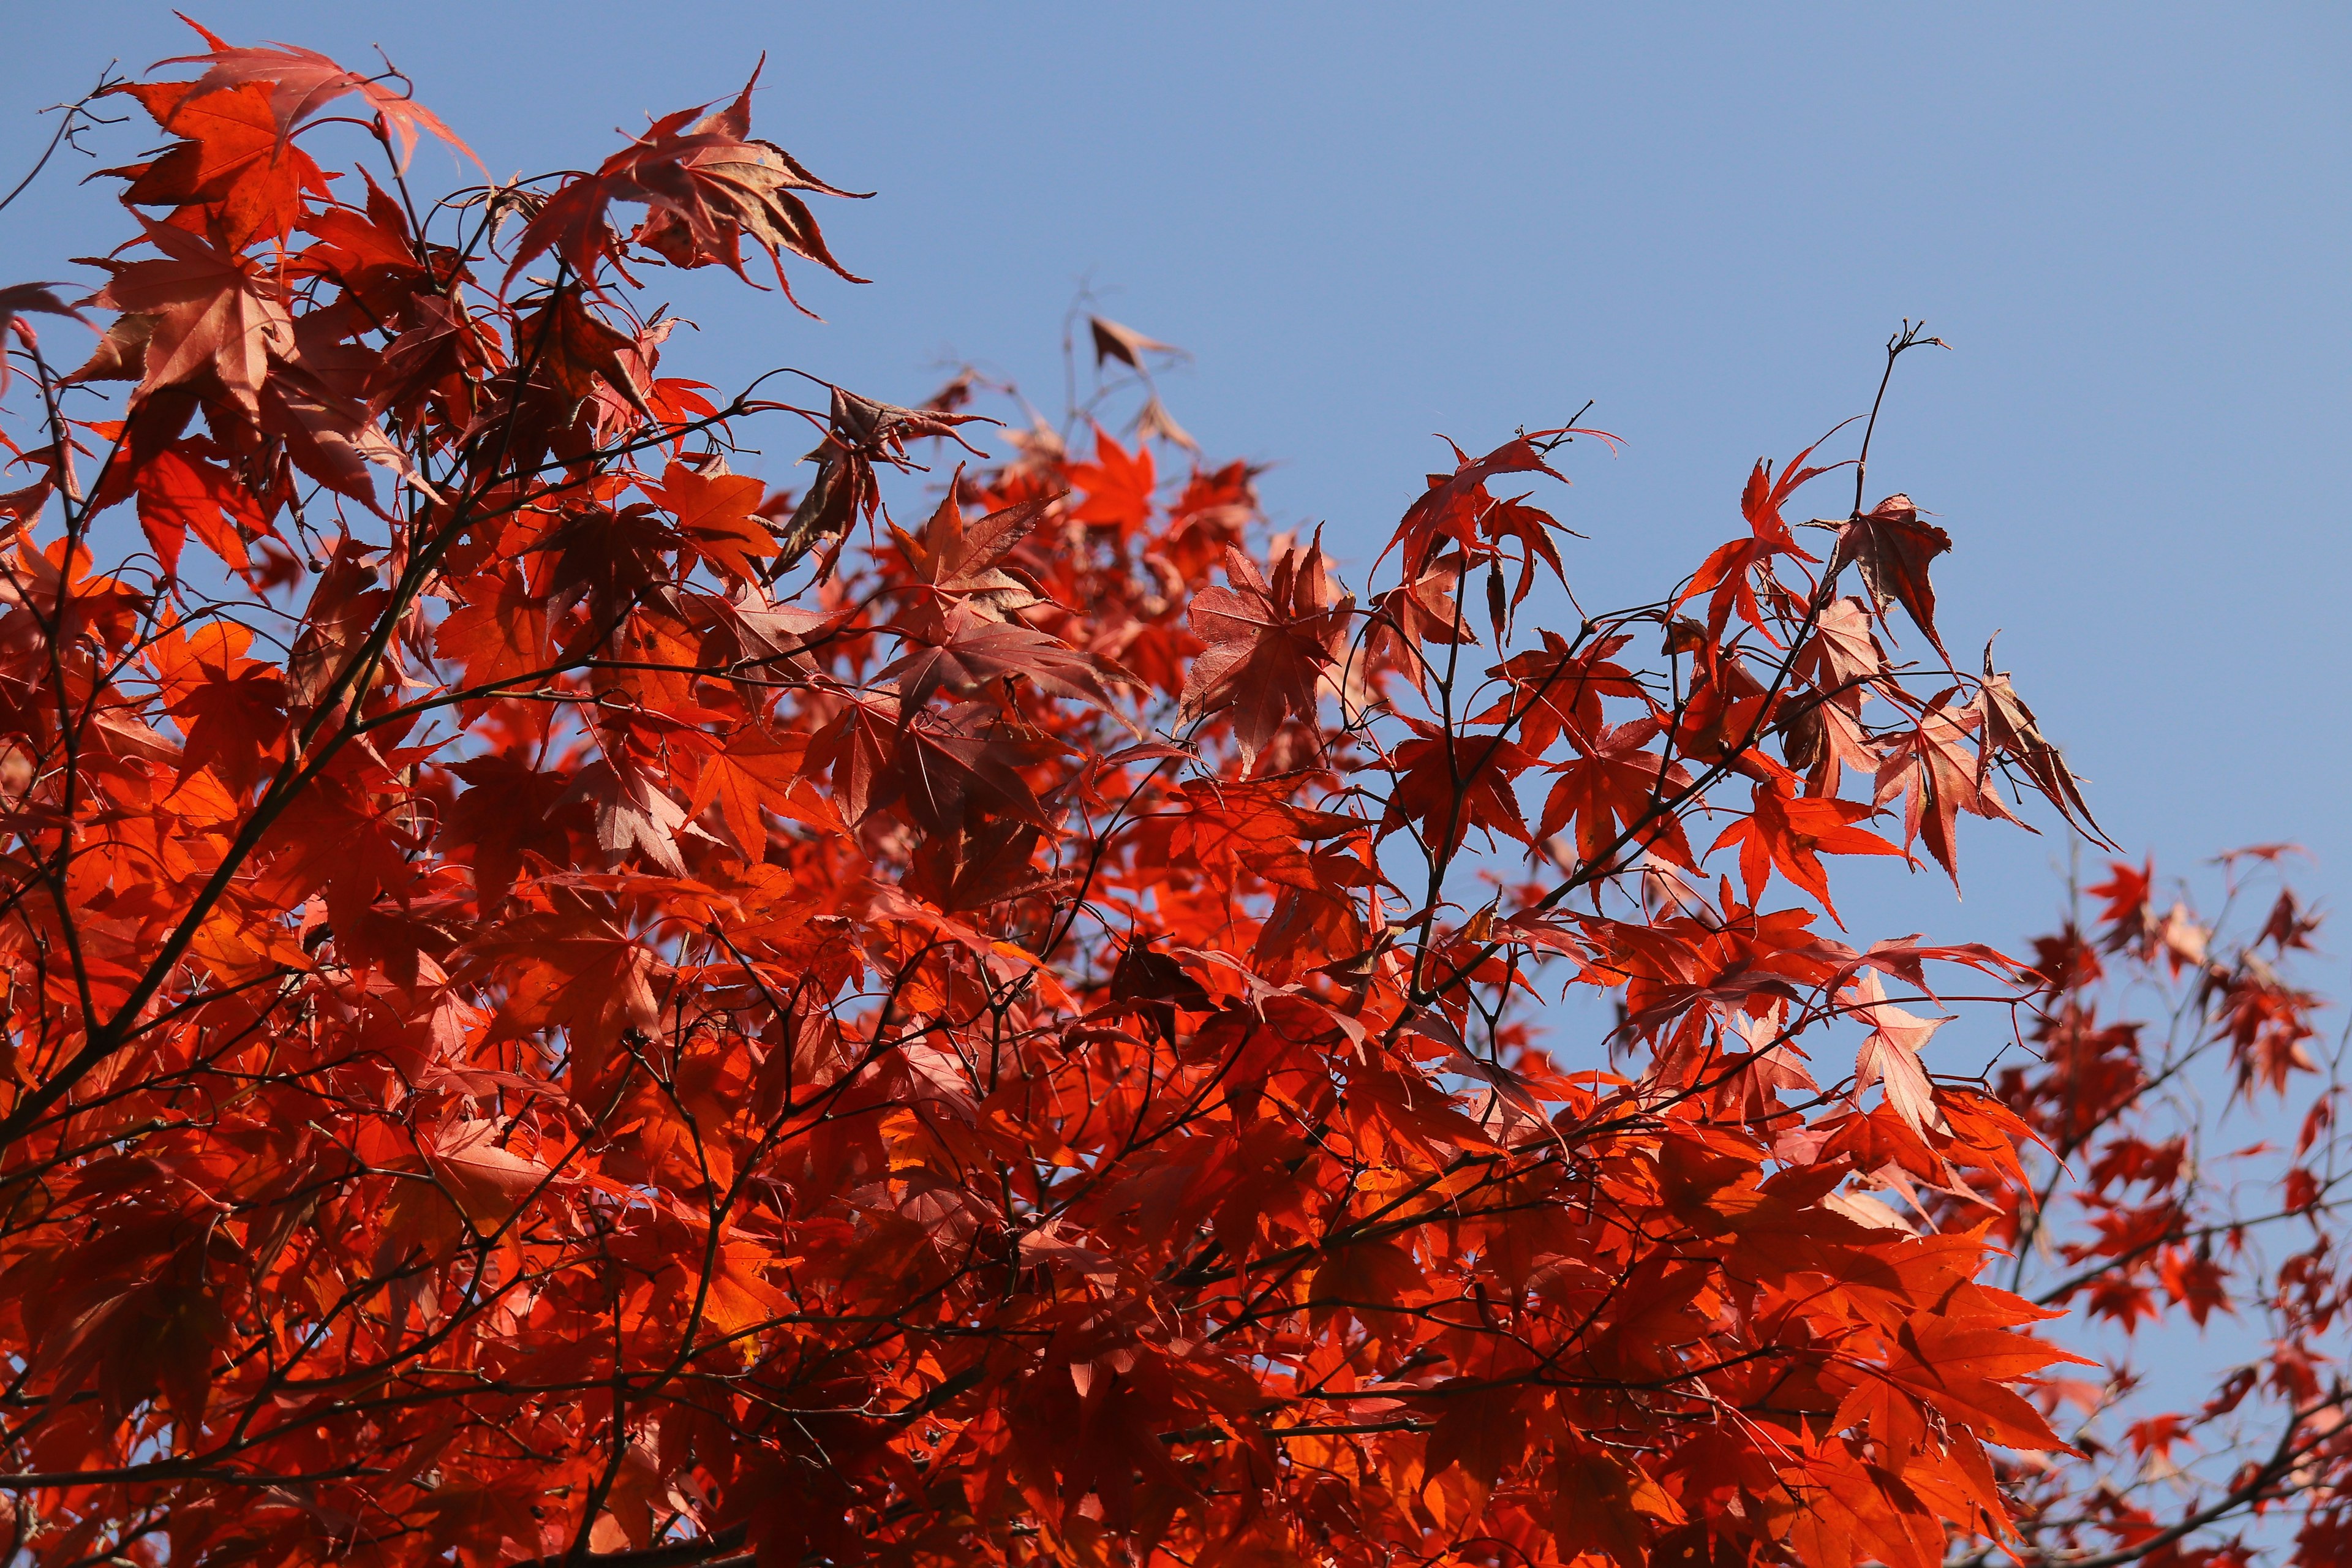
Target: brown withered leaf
[1125,344]
[715,187]
[2010,732]
[1892,549]
[860,434]
[710,188]
[1155,422]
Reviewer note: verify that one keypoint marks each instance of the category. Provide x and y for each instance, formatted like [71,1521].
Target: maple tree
[566,1005]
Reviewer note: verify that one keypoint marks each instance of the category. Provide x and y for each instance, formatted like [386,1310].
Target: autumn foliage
[565,1002]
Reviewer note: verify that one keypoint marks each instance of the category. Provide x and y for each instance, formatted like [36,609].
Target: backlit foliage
[565,1003]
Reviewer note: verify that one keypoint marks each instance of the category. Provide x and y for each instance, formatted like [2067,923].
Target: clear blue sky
[1374,223]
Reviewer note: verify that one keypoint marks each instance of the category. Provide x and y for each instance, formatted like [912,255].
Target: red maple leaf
[1448,784]
[1614,790]
[1117,485]
[199,315]
[1791,835]
[1727,574]
[233,175]
[1270,645]
[1456,508]
[303,81]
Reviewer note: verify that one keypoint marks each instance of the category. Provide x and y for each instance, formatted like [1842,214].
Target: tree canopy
[567,1004]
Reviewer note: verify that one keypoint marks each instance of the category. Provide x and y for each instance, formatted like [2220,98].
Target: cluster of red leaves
[558,1010]
[2143,1217]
